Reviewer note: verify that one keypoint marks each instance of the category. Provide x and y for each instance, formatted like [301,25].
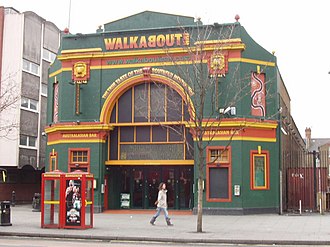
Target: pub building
[120,107]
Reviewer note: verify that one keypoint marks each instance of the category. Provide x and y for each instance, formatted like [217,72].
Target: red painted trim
[71,164]
[218,165]
[106,190]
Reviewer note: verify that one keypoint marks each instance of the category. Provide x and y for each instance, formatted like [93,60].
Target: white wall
[11,76]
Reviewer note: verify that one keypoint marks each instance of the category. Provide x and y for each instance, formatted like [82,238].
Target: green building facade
[125,104]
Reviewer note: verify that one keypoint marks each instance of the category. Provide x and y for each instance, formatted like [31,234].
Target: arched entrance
[150,143]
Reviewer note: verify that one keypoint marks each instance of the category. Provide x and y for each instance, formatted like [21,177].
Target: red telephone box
[67,200]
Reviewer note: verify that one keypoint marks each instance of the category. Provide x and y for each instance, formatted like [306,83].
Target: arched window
[148,120]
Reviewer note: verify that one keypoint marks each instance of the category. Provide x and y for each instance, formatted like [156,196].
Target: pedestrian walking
[161,205]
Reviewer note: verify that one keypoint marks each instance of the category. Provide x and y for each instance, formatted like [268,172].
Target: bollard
[36,202]
[13,198]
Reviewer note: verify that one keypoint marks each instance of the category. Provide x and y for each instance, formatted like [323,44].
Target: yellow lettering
[178,37]
[152,41]
[119,44]
[110,43]
[143,42]
[125,43]
[161,40]
[133,42]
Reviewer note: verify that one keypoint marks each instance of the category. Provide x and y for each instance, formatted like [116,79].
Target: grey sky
[298,32]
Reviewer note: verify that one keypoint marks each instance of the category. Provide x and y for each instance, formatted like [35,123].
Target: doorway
[142,184]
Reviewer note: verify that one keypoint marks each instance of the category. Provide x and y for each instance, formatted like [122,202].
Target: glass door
[185,188]
[138,188]
[168,175]
[153,181]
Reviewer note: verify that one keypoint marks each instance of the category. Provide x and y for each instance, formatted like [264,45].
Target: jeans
[165,212]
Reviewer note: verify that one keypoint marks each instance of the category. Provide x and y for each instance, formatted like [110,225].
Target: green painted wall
[235,84]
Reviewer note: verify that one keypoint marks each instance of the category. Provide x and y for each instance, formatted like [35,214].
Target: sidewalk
[308,229]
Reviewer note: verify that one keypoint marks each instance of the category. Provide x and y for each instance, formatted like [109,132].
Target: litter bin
[36,202]
[5,213]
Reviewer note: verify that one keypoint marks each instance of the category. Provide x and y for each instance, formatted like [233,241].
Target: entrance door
[153,181]
[142,183]
[138,188]
[168,176]
[185,188]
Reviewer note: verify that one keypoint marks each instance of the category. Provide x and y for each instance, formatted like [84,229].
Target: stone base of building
[237,211]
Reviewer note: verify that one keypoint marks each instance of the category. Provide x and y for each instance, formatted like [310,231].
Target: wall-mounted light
[230,110]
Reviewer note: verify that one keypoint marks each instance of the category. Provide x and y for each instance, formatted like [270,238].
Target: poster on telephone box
[73,203]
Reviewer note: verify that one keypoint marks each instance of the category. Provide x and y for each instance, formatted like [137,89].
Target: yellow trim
[76,141]
[149,162]
[107,54]
[73,175]
[137,65]
[52,202]
[239,123]
[239,138]
[76,127]
[265,171]
[221,41]
[59,72]
[88,202]
[81,50]
[105,113]
[252,61]
[52,175]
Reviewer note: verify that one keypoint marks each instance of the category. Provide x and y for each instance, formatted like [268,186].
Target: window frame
[43,87]
[263,153]
[81,165]
[53,156]
[29,103]
[28,142]
[51,56]
[220,165]
[29,67]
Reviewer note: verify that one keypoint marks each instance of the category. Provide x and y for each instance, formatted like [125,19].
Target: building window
[44,89]
[218,174]
[53,161]
[48,55]
[31,67]
[79,159]
[28,141]
[259,166]
[29,104]
[219,155]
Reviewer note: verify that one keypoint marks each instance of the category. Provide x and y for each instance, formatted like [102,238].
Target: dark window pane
[113,115]
[127,134]
[23,140]
[159,134]
[141,103]
[151,152]
[157,102]
[174,105]
[176,133]
[114,144]
[125,107]
[143,134]
[189,145]
[186,113]
[219,183]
